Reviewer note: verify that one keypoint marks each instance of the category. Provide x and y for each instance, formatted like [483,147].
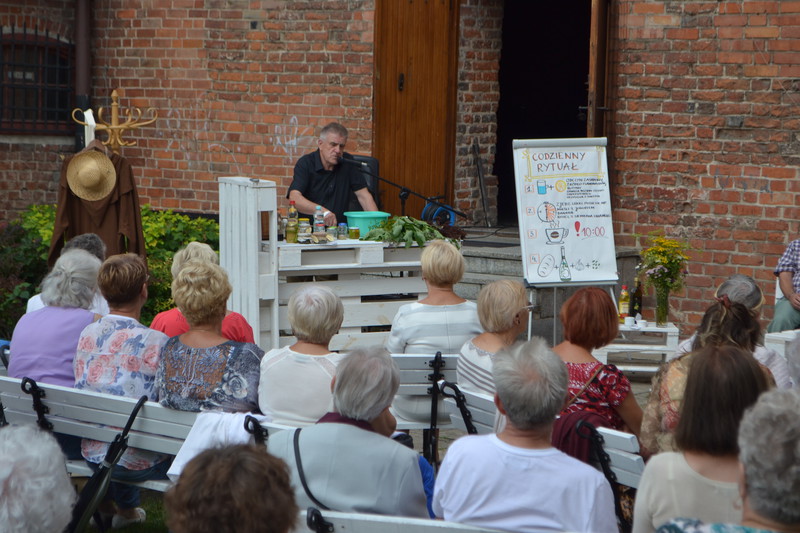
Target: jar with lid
[354,232]
[341,231]
[331,230]
[304,230]
[291,230]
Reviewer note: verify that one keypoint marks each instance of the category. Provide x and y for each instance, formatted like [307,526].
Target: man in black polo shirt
[319,179]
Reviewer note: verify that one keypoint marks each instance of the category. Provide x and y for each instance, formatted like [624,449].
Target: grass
[153,504]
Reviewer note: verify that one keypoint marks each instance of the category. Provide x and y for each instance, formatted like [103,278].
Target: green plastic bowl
[365,220]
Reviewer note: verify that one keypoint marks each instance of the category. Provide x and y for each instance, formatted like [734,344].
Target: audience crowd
[720,431]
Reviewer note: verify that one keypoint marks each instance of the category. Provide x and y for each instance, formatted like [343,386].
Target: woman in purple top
[44,342]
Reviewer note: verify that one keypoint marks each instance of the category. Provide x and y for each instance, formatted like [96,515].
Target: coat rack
[115,129]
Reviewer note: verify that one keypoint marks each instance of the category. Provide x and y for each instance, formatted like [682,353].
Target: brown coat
[116,218]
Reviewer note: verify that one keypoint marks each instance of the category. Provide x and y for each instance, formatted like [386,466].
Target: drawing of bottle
[563,269]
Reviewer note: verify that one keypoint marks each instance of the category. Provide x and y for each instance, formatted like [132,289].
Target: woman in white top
[701,480]
[440,322]
[503,311]
[295,384]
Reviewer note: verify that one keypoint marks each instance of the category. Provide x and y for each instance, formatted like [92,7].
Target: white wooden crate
[779,341]
[651,343]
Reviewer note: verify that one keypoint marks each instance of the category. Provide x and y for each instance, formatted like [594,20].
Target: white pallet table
[264,273]
[652,342]
[779,341]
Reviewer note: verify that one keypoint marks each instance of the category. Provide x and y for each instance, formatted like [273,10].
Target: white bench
[419,375]
[100,417]
[621,448]
[330,522]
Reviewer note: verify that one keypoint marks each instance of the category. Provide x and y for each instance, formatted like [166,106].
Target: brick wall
[481,22]
[29,173]
[705,100]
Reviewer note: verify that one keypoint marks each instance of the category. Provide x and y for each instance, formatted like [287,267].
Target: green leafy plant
[25,242]
[406,231]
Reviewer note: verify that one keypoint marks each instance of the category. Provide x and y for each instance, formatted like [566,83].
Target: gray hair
[793,360]
[531,382]
[35,493]
[194,251]
[741,289]
[315,313]
[769,444]
[333,127]
[366,382]
[73,280]
[91,242]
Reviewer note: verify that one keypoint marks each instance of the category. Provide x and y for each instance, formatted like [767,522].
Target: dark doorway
[544,69]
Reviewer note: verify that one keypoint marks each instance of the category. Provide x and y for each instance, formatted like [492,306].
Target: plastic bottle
[319,220]
[636,300]
[292,214]
[624,303]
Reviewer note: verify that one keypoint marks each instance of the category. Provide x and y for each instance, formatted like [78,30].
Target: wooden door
[414,108]
[598,60]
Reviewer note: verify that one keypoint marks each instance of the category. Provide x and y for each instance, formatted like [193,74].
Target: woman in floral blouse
[201,369]
[118,355]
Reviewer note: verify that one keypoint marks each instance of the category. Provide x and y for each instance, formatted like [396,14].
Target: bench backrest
[623,453]
[368,523]
[416,372]
[482,409]
[99,416]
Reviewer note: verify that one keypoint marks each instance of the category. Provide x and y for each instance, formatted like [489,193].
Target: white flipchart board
[564,211]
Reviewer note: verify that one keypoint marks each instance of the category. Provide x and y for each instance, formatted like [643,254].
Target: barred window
[36,88]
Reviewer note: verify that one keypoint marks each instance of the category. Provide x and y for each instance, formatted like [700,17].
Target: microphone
[361,164]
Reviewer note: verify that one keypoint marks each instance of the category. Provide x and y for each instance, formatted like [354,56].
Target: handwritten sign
[564,211]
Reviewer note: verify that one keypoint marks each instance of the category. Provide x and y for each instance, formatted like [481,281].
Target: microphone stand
[404,193]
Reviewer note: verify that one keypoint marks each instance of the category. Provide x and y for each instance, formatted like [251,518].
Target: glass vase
[662,305]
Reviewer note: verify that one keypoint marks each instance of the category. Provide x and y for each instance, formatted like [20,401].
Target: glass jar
[354,232]
[341,232]
[291,230]
[331,232]
[304,228]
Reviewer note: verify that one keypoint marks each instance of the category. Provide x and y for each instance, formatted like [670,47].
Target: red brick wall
[481,22]
[239,91]
[706,106]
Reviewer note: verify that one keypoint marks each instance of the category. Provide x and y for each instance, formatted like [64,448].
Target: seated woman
[44,341]
[201,369]
[591,321]
[744,290]
[700,480]
[295,385]
[172,322]
[769,484]
[724,322]
[118,355]
[503,312]
[440,322]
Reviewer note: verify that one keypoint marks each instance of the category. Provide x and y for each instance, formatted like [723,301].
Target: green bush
[25,242]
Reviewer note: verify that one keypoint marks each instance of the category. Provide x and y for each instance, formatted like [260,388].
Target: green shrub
[25,242]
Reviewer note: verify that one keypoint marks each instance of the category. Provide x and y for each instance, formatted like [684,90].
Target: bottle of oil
[291,223]
[624,303]
[636,299]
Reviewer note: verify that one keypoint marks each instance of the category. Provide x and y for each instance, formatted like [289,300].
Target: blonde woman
[440,322]
[503,310]
[201,368]
[172,322]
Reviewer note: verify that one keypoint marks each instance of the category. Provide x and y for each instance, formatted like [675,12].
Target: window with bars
[36,88]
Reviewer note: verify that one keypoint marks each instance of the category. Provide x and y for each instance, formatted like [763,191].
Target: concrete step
[472,283]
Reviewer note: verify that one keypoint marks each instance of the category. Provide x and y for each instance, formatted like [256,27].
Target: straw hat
[91,175]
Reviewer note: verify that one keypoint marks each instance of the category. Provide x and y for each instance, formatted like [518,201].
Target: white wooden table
[639,349]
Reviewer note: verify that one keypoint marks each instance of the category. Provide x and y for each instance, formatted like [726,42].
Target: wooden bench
[419,375]
[100,417]
[330,522]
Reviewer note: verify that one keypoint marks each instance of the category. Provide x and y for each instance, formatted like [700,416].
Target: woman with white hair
[295,384]
[769,452]
[173,323]
[201,369]
[503,311]
[35,492]
[346,459]
[44,341]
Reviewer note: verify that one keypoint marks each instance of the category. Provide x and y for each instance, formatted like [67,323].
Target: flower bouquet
[664,267]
